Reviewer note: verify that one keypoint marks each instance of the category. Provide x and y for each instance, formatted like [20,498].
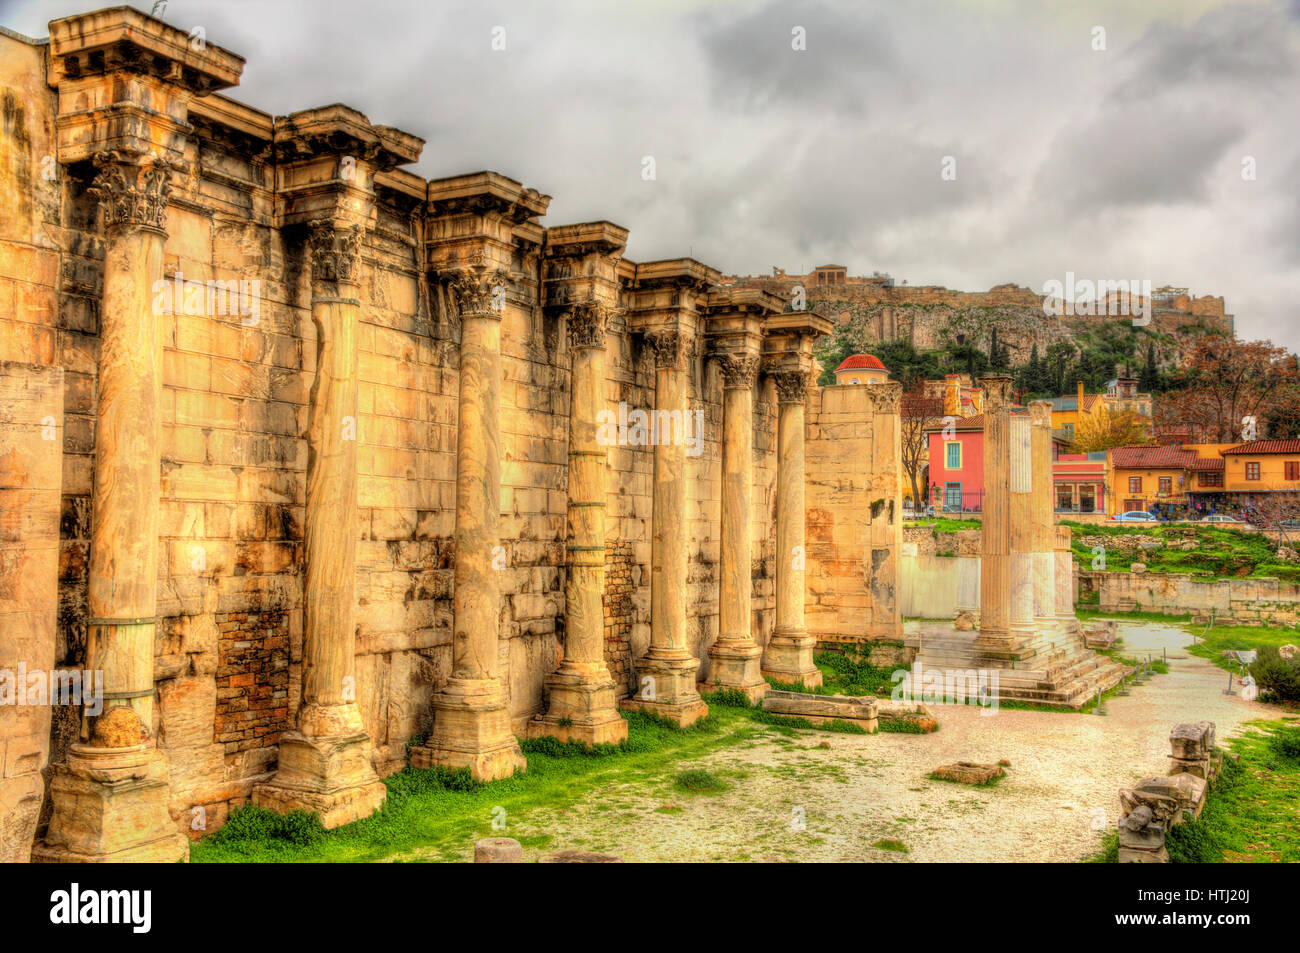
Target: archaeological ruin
[314,468]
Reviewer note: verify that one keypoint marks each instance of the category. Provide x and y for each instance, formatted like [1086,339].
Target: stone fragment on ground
[969,772]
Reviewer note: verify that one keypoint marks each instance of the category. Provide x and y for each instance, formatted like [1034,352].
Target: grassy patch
[1218,552]
[699,781]
[890,844]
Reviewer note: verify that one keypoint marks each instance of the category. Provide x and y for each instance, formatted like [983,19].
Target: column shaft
[995,578]
[666,674]
[1044,536]
[1021,525]
[582,705]
[471,726]
[789,653]
[735,660]
[325,762]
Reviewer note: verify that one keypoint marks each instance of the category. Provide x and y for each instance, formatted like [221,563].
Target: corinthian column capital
[481,294]
[739,371]
[132,190]
[671,348]
[791,386]
[335,249]
[587,324]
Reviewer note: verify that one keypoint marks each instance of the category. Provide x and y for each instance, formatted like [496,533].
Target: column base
[667,688]
[110,806]
[331,776]
[582,708]
[736,666]
[471,729]
[789,658]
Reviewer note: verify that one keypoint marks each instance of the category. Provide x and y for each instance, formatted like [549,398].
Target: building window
[953,458]
[1135,484]
[1210,479]
[1252,471]
[1087,499]
[952,497]
[1293,469]
[1166,484]
[1064,496]
[1067,430]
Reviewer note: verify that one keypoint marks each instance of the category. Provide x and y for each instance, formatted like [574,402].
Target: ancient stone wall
[1263,601]
[236,387]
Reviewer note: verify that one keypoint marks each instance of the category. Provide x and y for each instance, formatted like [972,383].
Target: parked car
[1219,518]
[1134,516]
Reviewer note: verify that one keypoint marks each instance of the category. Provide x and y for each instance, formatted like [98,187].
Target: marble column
[734,659]
[325,761]
[582,704]
[1063,567]
[789,653]
[995,535]
[1020,510]
[1044,520]
[666,674]
[471,726]
[110,798]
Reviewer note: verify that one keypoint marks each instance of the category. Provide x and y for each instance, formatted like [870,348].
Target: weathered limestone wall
[933,586]
[854,524]
[31,408]
[1265,601]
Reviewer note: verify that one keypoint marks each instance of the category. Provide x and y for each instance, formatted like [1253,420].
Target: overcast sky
[1125,162]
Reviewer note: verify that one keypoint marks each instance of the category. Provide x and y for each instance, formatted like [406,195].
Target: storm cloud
[1132,157]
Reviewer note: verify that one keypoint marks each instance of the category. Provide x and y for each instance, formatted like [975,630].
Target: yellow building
[1261,467]
[1154,477]
[861,369]
[1068,412]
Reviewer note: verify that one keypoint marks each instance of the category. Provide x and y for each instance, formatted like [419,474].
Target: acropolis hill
[879,310]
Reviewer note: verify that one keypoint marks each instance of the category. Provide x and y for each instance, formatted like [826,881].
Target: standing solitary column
[582,703]
[1064,571]
[1022,530]
[1044,536]
[325,763]
[666,675]
[995,535]
[789,653]
[471,726]
[734,659]
[110,797]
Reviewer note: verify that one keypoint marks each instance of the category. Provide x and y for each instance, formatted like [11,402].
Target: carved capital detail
[335,251]
[738,370]
[132,192]
[587,324]
[791,386]
[480,294]
[672,349]
[888,397]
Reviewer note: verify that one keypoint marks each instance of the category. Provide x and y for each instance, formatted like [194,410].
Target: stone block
[969,772]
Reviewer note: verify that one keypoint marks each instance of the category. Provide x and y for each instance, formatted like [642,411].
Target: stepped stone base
[110,806]
[1051,668]
[667,688]
[789,658]
[822,708]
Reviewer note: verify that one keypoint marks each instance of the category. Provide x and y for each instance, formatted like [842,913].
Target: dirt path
[1058,798]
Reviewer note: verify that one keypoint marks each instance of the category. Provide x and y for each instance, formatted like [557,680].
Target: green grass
[1220,638]
[1219,552]
[699,781]
[944,524]
[1252,814]
[440,813]
[890,844]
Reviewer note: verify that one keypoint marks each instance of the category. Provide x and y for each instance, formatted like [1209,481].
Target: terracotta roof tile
[855,361]
[1266,446]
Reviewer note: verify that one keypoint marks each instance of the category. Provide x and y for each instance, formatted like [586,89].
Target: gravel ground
[867,798]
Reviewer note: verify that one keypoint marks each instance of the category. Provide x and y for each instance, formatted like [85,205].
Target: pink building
[956,470]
